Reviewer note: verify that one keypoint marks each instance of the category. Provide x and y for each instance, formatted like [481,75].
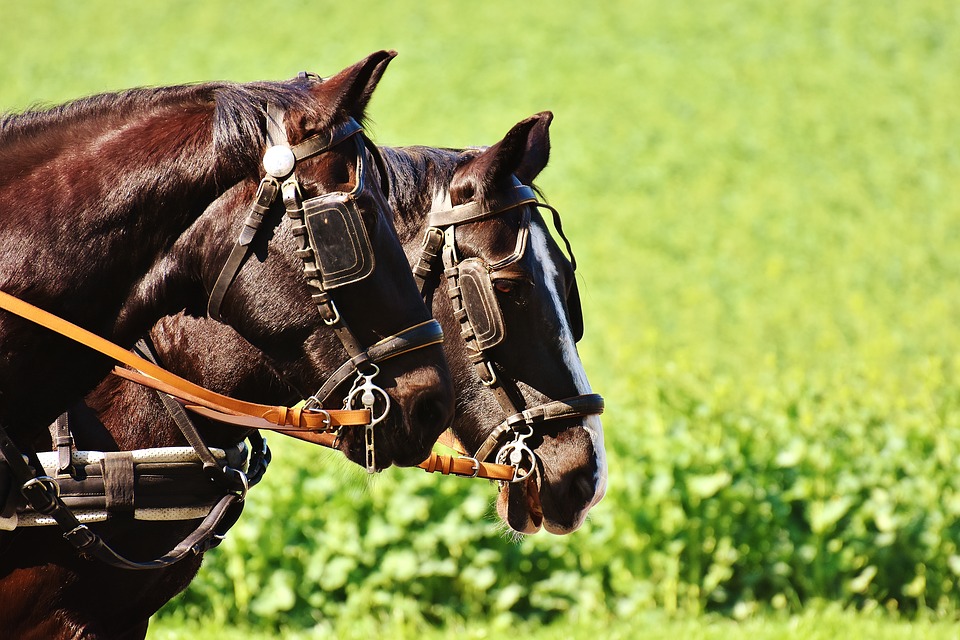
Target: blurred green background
[763,198]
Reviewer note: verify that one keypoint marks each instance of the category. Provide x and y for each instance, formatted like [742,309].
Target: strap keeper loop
[81,537]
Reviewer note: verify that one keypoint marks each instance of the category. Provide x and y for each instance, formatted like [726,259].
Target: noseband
[335,247]
[476,307]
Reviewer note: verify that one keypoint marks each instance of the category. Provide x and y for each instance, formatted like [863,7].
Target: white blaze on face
[538,242]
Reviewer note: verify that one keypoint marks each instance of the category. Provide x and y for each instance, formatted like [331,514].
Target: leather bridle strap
[267,416]
[472,211]
[439,245]
[575,407]
[468,467]
[267,193]
[416,337]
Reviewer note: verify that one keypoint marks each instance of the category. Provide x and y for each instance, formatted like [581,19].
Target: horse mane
[418,174]
[238,117]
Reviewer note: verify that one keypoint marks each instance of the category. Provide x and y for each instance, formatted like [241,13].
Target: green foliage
[763,200]
[817,622]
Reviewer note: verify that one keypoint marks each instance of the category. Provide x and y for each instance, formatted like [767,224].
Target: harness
[471,291]
[334,245]
[50,484]
[482,326]
[159,484]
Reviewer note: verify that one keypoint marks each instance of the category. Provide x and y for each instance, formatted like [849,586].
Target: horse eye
[504,286]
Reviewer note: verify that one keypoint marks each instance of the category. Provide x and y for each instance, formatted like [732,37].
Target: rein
[276,418]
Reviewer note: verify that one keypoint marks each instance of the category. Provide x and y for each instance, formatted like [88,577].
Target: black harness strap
[118,481]
[226,477]
[63,441]
[43,494]
[415,337]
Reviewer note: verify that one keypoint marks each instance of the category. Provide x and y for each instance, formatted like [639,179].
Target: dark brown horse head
[358,289]
[101,201]
[520,310]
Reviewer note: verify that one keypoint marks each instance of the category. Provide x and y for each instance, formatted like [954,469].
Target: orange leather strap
[467,467]
[464,465]
[287,418]
[250,415]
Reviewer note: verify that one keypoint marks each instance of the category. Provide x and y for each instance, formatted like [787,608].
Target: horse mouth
[518,504]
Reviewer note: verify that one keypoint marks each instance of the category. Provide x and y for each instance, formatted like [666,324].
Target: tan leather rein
[303,424]
[314,425]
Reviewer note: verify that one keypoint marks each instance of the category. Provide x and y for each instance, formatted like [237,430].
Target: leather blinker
[339,239]
[480,303]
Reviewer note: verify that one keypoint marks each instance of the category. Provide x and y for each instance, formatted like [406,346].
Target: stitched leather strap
[467,467]
[418,336]
[250,415]
[574,407]
[118,481]
[207,535]
[266,193]
[286,417]
[472,211]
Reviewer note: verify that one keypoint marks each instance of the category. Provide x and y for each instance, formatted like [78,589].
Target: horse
[571,471]
[99,193]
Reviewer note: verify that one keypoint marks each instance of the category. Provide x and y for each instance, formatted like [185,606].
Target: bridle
[334,245]
[321,225]
[482,326]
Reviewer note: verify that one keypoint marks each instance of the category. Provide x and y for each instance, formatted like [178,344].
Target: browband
[473,210]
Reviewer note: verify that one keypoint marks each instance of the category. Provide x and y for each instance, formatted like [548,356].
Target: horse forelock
[239,118]
[420,178]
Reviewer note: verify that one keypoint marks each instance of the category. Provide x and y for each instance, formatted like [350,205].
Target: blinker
[338,235]
[339,239]
[480,303]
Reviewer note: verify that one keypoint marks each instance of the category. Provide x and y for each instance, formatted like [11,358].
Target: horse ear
[523,152]
[537,153]
[350,90]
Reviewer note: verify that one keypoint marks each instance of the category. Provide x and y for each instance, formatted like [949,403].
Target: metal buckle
[493,375]
[50,484]
[327,420]
[476,466]
[243,480]
[336,315]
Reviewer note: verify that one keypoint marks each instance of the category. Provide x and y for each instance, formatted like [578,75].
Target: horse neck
[103,185]
[420,180]
[203,351]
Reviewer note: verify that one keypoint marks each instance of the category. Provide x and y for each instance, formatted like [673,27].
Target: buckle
[476,466]
[43,494]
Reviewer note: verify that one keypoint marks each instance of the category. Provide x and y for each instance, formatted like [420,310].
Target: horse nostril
[586,486]
[429,413]
[581,488]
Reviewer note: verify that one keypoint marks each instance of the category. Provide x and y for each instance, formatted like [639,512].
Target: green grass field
[764,202]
